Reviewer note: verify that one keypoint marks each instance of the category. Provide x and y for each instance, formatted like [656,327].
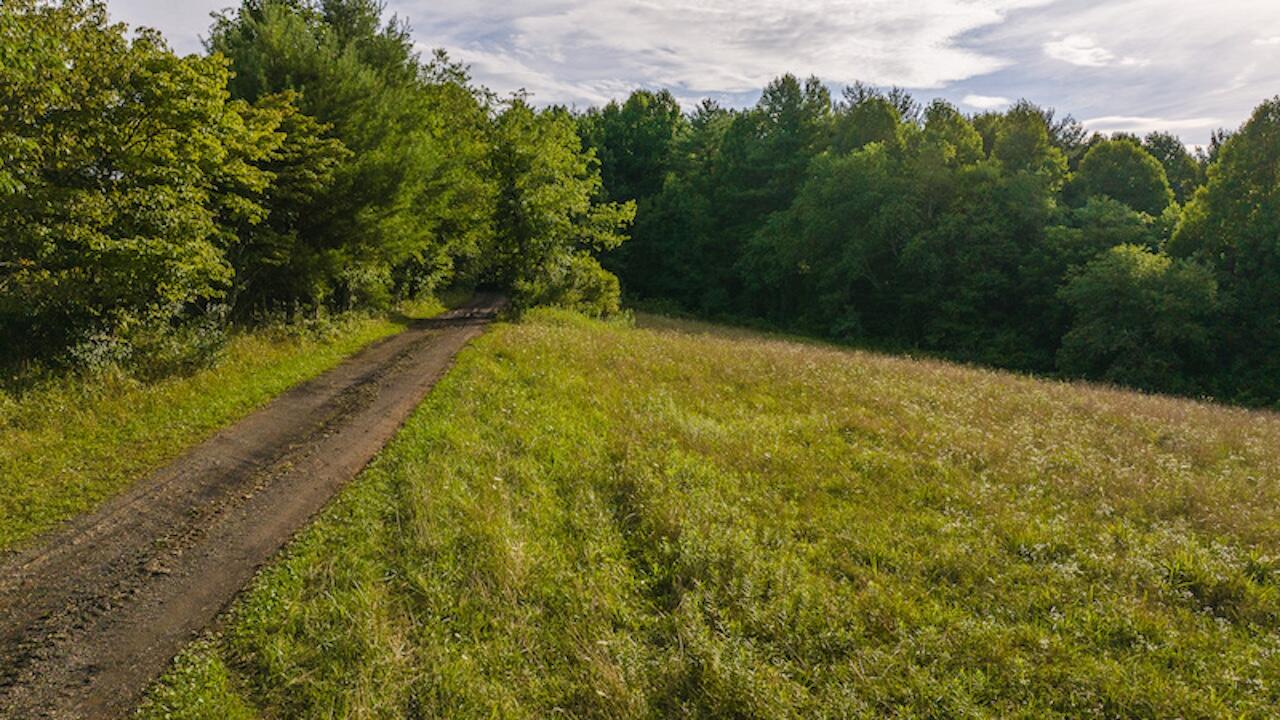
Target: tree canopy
[311,160]
[1122,170]
[1011,238]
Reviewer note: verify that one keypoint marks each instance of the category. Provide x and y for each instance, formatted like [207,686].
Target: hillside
[597,520]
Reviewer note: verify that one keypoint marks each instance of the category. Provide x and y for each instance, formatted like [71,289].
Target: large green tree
[830,262]
[549,219]
[1180,167]
[761,164]
[1122,170]
[1140,319]
[1232,225]
[413,193]
[866,116]
[634,142]
[123,165]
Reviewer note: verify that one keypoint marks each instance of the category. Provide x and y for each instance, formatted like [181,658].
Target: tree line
[1012,238]
[311,160]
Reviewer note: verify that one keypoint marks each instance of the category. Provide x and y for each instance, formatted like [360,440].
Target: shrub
[1141,319]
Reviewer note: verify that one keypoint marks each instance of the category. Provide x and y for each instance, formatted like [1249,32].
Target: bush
[1141,319]
[579,283]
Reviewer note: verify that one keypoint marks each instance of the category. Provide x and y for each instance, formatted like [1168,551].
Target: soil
[94,612]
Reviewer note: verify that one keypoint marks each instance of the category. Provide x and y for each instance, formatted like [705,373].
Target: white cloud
[1180,58]
[1084,51]
[1201,60]
[1140,125]
[1078,50]
[509,73]
[986,102]
[579,51]
[183,23]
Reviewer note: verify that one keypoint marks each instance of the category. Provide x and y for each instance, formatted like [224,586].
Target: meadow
[599,519]
[71,440]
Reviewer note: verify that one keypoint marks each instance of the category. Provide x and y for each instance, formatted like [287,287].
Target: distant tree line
[310,160]
[1014,239]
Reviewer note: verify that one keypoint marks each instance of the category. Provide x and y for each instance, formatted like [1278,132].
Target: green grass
[71,442]
[592,520]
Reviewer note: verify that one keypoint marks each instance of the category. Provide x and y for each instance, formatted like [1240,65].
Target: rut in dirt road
[96,611]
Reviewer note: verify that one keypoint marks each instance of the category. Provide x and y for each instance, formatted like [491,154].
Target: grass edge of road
[72,442]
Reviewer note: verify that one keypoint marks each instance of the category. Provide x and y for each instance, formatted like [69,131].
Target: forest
[1013,239]
[311,162]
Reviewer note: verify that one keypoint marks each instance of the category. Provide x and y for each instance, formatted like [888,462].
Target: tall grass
[70,441]
[592,520]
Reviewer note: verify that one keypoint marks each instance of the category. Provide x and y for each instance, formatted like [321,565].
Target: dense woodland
[1013,239]
[311,161]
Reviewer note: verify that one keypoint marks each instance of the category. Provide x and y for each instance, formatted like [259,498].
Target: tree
[760,164]
[273,262]
[1232,225]
[1122,170]
[634,142]
[1080,235]
[121,161]
[1140,319]
[947,143]
[1180,167]
[867,116]
[414,193]
[830,261]
[638,145]
[1208,155]
[1022,144]
[792,119]
[667,256]
[548,219]
[1065,133]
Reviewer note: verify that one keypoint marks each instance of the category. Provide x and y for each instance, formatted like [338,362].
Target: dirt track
[96,611]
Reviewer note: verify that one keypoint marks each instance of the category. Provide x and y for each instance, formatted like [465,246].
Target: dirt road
[95,612]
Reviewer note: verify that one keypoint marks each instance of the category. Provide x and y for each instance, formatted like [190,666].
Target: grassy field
[69,443]
[593,520]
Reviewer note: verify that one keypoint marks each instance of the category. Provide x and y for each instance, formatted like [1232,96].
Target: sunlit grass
[70,442]
[593,520]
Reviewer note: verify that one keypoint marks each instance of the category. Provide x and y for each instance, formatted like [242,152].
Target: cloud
[1171,58]
[183,23]
[1189,59]
[986,102]
[1140,125]
[511,74]
[1082,50]
[580,51]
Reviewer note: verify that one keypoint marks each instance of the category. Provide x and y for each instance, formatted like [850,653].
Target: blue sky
[1187,66]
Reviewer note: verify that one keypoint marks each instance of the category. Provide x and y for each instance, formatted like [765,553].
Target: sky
[1186,66]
